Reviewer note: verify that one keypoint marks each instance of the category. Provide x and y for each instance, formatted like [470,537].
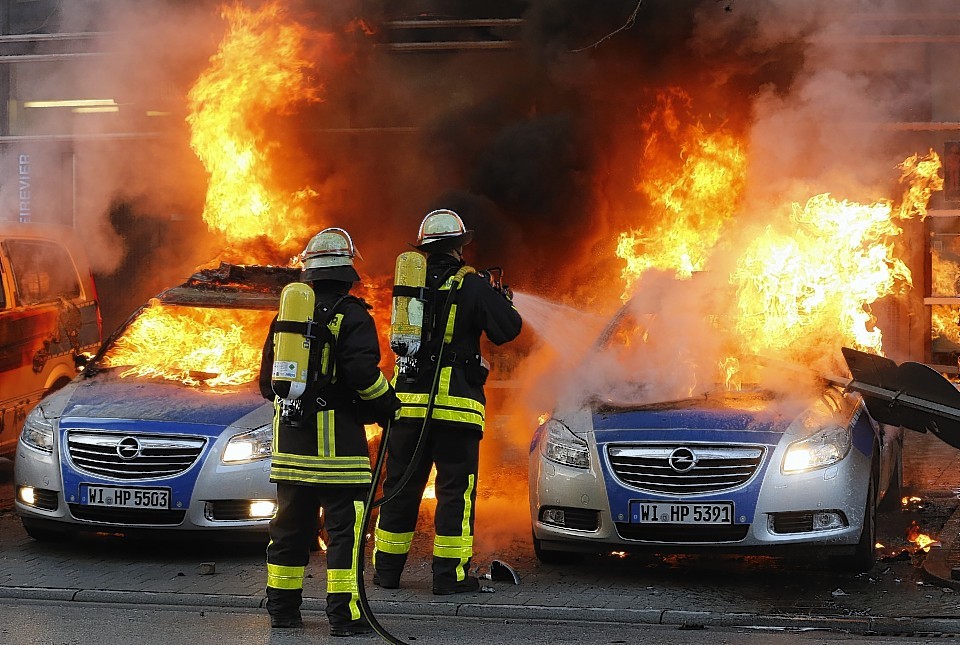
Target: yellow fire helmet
[442,230]
[329,256]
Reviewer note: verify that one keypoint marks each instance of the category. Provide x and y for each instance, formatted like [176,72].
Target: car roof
[232,286]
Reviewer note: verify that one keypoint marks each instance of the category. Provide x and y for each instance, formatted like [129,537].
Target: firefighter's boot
[445,587]
[351,628]
[283,605]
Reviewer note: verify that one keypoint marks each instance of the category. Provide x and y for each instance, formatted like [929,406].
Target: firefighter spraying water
[442,418]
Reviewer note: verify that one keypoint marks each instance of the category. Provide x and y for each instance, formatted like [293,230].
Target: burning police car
[166,427]
[798,470]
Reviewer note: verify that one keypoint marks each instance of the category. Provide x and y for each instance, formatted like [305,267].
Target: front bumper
[209,497]
[772,513]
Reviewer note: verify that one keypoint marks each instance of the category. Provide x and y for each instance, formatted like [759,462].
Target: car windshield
[198,346]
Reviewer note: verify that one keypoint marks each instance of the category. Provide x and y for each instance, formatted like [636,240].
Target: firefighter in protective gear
[446,401]
[322,460]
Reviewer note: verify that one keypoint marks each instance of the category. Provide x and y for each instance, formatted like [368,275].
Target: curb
[861,625]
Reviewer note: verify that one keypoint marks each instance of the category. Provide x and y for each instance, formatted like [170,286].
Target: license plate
[128,497]
[681,513]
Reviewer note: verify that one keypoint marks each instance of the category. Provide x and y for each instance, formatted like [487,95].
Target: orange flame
[221,346]
[815,283]
[693,179]
[922,540]
[730,369]
[922,176]
[801,290]
[430,491]
[260,71]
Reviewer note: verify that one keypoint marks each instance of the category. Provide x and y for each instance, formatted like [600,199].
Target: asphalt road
[45,623]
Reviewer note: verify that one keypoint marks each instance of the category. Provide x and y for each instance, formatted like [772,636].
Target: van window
[42,271]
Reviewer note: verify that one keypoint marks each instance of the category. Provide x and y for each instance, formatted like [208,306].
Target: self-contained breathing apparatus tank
[408,313]
[291,348]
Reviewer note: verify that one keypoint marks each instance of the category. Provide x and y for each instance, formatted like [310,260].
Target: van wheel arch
[56,385]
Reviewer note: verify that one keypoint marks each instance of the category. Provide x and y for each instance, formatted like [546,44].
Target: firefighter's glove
[387,409]
[507,292]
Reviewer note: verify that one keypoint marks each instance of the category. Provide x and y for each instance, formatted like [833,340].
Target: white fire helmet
[329,256]
[442,230]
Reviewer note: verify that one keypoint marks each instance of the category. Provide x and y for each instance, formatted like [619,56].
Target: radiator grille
[692,469]
[133,457]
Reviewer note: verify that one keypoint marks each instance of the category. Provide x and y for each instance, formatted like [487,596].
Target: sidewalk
[897,597]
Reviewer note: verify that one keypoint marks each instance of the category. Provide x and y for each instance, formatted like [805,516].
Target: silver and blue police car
[121,449]
[747,471]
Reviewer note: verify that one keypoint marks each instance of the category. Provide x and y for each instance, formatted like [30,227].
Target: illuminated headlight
[262,508]
[564,447]
[38,431]
[822,449]
[249,446]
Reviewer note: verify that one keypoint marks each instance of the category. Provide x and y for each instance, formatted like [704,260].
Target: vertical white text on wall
[23,186]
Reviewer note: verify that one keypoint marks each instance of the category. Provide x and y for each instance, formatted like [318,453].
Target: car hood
[107,396]
[757,412]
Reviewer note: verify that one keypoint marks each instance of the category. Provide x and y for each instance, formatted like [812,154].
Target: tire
[547,556]
[865,553]
[891,499]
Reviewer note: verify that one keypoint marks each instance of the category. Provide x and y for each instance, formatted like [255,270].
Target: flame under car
[747,470]
[162,431]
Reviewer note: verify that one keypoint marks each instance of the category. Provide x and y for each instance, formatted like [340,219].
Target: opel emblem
[682,460]
[129,448]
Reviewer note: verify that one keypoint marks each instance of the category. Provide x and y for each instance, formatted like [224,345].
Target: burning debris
[922,541]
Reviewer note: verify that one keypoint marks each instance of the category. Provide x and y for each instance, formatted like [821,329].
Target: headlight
[564,447]
[249,446]
[38,431]
[822,449]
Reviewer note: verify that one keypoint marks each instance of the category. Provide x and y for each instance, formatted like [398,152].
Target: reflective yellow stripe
[448,331]
[357,527]
[453,546]
[325,359]
[281,577]
[294,475]
[467,509]
[459,546]
[345,580]
[341,581]
[325,463]
[397,543]
[326,437]
[378,388]
[321,470]
[412,398]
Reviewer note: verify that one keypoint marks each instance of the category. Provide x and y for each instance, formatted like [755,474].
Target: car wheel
[865,553]
[547,556]
[891,499]
[43,534]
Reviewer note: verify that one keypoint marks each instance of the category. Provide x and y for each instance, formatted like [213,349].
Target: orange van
[49,318]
